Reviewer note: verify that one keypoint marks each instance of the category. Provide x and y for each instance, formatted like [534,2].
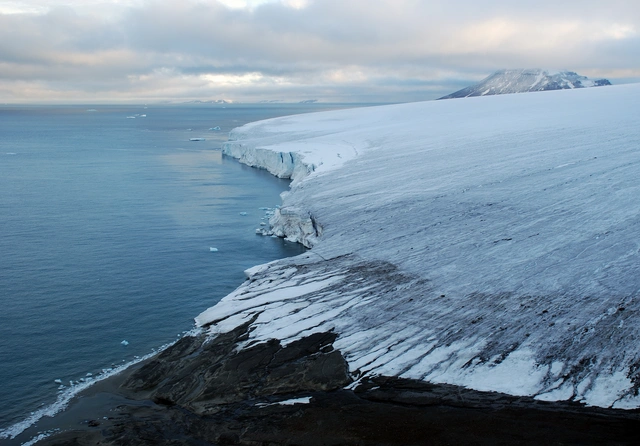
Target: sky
[131,51]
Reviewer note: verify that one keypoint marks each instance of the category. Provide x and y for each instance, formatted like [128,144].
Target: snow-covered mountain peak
[523,81]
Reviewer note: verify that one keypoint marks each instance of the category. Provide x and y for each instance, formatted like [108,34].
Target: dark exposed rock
[200,374]
[204,391]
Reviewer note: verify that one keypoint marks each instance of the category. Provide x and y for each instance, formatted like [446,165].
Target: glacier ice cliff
[490,243]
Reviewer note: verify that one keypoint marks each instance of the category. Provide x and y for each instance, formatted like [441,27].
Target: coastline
[328,292]
[309,404]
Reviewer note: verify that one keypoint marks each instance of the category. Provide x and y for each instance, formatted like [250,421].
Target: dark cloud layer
[338,50]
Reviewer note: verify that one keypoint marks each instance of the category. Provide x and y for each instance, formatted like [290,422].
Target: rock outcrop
[201,374]
[204,391]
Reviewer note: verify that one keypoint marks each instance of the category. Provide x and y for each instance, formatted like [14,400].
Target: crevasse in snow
[489,242]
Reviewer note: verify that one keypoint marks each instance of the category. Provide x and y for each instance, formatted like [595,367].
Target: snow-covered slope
[522,81]
[490,243]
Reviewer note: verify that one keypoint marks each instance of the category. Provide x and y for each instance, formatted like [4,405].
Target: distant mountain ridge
[523,81]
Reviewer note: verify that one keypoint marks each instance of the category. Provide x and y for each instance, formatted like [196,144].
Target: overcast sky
[331,50]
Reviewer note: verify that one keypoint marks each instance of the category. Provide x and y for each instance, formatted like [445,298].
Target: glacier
[490,242]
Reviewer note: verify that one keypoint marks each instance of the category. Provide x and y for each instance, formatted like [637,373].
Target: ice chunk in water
[125,342]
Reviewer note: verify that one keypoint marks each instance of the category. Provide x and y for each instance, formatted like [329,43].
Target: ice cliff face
[522,81]
[489,243]
[286,157]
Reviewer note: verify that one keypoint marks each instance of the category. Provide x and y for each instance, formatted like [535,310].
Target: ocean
[107,219]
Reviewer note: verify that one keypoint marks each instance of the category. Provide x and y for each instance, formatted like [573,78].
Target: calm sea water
[106,222]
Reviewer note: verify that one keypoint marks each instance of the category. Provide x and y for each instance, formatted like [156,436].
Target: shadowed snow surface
[489,242]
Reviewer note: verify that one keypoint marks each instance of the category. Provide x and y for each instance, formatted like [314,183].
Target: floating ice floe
[57,381]
[243,213]
[131,117]
[213,249]
[197,139]
[215,128]
[125,342]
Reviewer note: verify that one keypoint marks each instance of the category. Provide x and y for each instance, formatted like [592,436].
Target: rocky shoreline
[205,391]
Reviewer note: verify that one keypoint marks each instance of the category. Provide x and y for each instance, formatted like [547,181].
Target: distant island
[213,101]
[280,101]
[524,81]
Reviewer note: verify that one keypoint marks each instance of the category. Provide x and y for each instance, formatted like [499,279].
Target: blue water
[105,228]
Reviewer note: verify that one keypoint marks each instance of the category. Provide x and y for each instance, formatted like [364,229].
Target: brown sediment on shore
[205,391]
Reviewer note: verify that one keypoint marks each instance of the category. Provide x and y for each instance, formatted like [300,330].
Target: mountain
[523,81]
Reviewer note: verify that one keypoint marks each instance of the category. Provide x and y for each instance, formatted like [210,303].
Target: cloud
[295,49]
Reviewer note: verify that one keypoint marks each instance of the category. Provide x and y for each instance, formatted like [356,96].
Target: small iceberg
[143,116]
[125,342]
[131,117]
[243,214]
[213,249]
[197,139]
[216,128]
[57,381]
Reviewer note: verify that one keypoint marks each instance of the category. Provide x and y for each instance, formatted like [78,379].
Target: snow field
[485,242]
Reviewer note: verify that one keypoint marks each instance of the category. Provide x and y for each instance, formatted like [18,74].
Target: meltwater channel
[107,217]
